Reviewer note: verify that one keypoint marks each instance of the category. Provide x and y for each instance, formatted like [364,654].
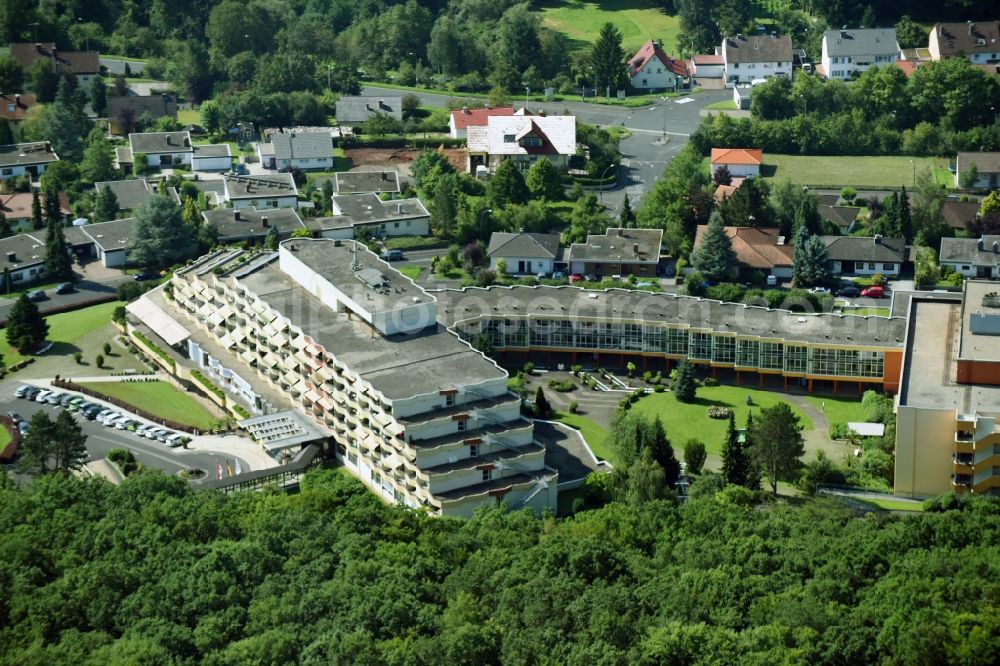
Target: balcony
[962,459]
[961,480]
[963,436]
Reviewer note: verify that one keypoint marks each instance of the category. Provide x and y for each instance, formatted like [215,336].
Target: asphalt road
[86,290]
[101,439]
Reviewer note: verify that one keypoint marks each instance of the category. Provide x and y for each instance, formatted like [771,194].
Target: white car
[123,424]
[141,430]
[109,417]
[819,290]
[114,420]
[154,433]
[42,395]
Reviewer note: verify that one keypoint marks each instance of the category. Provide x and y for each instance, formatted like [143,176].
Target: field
[637,21]
[724,105]
[690,421]
[66,328]
[158,398]
[840,171]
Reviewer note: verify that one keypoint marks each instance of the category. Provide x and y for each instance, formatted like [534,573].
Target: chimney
[843,34]
[399,209]
[17,99]
[187,142]
[980,244]
[170,140]
[465,109]
[635,249]
[12,257]
[878,239]
[264,222]
[236,214]
[972,28]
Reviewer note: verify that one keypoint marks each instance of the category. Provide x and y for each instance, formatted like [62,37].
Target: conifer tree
[37,222]
[106,206]
[5,229]
[26,329]
[542,408]
[627,215]
[715,258]
[735,461]
[684,387]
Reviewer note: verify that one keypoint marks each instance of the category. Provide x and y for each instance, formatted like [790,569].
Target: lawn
[724,105]
[690,421]
[890,504]
[838,410]
[67,327]
[189,117]
[5,437]
[595,435]
[159,398]
[836,172]
[412,272]
[877,312]
[637,21]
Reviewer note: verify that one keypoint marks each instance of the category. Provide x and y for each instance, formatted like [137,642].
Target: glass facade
[723,349]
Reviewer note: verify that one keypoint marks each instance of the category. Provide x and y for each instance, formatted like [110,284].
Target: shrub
[838,431]
[718,412]
[710,381]
[99,361]
[107,348]
[576,369]
[528,368]
[592,384]
[562,385]
[207,384]
[574,407]
[78,357]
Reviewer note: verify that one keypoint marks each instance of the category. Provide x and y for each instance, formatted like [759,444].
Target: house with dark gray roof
[133,194]
[84,65]
[987,165]
[111,240]
[356,110]
[17,159]
[162,149]
[848,53]
[865,255]
[262,192]
[524,253]
[300,150]
[355,212]
[749,58]
[959,214]
[972,257]
[842,216]
[235,225]
[617,252]
[154,106]
[363,182]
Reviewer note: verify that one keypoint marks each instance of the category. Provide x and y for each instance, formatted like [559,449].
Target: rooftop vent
[991,300]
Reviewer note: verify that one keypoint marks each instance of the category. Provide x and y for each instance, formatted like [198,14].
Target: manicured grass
[877,312]
[890,504]
[412,272]
[724,105]
[690,421]
[158,398]
[838,410]
[636,19]
[839,171]
[5,437]
[189,117]
[67,327]
[412,243]
[595,435]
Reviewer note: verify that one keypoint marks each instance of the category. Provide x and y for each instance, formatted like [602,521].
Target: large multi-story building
[948,407]
[416,413]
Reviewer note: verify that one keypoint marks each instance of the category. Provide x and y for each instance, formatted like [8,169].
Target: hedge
[155,349]
[401,142]
[207,384]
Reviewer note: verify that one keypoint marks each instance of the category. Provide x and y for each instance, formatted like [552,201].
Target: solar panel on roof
[984,324]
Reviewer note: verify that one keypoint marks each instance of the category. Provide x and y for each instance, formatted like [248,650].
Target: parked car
[111,418]
[147,275]
[873,292]
[92,411]
[177,440]
[23,427]
[37,295]
[850,291]
[126,424]
[65,400]
[772,280]
[32,392]
[43,395]
[65,288]
[162,435]
[153,433]
[592,277]
[819,290]
[22,390]
[575,277]
[55,398]
[15,417]
[75,403]
[391,255]
[112,421]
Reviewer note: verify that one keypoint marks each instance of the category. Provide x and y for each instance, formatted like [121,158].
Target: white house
[524,253]
[749,57]
[741,162]
[462,119]
[848,53]
[84,65]
[300,150]
[522,139]
[865,255]
[652,69]
[17,159]
[987,164]
[212,157]
[355,212]
[261,192]
[162,149]
[972,257]
[978,42]
[111,240]
[707,66]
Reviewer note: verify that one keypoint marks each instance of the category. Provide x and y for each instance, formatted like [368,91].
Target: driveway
[86,290]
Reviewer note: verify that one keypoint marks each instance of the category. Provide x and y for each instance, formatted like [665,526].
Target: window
[966,268]
[8,172]
[10,108]
[531,141]
[859,265]
[487,474]
[871,266]
[461,425]
[473,450]
[508,138]
[395,225]
[723,349]
[449,400]
[888,267]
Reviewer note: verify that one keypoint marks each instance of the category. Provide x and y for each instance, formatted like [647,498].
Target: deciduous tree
[544,180]
[507,185]
[160,237]
[776,444]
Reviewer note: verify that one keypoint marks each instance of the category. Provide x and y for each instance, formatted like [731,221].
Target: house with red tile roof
[741,162]
[17,208]
[761,249]
[652,69]
[14,107]
[462,119]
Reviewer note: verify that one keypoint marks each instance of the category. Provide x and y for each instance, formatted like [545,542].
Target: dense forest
[151,572]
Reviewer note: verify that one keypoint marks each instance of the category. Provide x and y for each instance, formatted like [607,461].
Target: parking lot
[232,452]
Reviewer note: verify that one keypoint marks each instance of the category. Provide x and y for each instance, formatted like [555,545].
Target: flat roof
[660,308]
[17,154]
[212,150]
[359,182]
[368,208]
[251,223]
[980,332]
[253,187]
[398,366]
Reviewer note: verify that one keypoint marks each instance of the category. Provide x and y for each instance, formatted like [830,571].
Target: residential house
[958,215]
[524,253]
[236,225]
[844,217]
[726,191]
[363,182]
[462,119]
[17,159]
[865,255]
[262,192]
[354,213]
[134,193]
[211,157]
[14,106]
[972,257]
[17,208]
[910,66]
[307,151]
[741,162]
[356,110]
[652,69]
[758,250]
[111,240]
[747,58]
[848,53]
[162,149]
[617,252]
[979,42]
[130,108]
[24,256]
[522,139]
[709,66]
[85,65]
[987,164]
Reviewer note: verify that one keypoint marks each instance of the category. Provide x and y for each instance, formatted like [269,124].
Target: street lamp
[479,219]
[527,93]
[601,192]
[329,68]
[913,165]
[805,104]
[86,35]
